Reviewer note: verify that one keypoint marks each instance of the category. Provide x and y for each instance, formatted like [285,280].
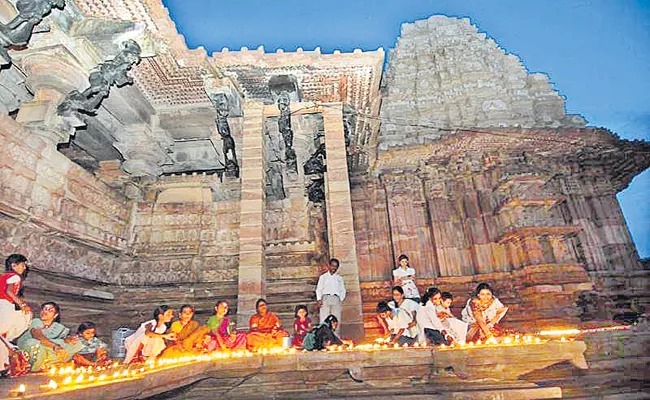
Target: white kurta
[427,318]
[455,327]
[468,316]
[408,284]
[151,346]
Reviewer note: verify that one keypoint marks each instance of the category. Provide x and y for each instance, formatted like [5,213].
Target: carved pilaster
[409,221]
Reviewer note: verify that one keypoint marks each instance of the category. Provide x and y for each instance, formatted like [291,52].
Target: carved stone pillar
[252,269]
[447,226]
[340,225]
[409,222]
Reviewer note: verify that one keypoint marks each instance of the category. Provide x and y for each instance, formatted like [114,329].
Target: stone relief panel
[55,254]
[170,228]
[40,183]
[288,221]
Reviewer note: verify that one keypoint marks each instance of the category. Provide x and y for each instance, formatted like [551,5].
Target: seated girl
[225,337]
[456,328]
[404,276]
[94,351]
[482,313]
[149,340]
[431,329]
[188,332]
[401,303]
[265,328]
[324,334]
[301,325]
[46,340]
[397,323]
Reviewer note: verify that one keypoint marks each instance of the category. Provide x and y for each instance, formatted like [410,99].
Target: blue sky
[596,52]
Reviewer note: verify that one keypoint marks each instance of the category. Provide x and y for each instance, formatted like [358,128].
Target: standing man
[330,292]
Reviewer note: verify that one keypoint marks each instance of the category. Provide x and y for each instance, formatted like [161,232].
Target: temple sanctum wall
[238,175]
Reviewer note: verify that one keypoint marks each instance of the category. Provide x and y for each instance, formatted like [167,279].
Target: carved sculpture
[109,73]
[18,31]
[316,191]
[274,182]
[315,165]
[221,105]
[284,125]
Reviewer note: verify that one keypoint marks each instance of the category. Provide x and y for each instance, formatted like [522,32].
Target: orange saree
[266,332]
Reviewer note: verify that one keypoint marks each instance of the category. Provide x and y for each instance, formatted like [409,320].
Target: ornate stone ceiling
[174,80]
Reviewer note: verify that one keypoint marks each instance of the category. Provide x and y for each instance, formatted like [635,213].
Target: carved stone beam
[18,31]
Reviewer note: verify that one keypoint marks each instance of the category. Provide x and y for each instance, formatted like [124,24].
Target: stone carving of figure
[230,156]
[284,125]
[109,73]
[275,182]
[316,191]
[18,31]
[315,165]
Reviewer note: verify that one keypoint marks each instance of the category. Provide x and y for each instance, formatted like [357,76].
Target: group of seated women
[34,343]
[44,341]
[405,321]
[186,335]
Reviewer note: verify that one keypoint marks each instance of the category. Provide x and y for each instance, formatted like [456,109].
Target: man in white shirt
[330,292]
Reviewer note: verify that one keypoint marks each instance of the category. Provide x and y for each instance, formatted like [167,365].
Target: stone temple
[137,172]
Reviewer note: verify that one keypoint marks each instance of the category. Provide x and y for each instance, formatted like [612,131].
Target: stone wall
[474,205]
[444,73]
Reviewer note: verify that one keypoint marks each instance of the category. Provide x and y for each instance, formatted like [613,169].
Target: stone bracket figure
[107,74]
[284,125]
[223,109]
[315,164]
[18,31]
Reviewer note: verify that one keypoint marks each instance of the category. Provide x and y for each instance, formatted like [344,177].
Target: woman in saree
[46,340]
[225,336]
[482,313]
[189,333]
[265,328]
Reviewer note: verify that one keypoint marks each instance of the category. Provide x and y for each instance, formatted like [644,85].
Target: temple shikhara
[137,172]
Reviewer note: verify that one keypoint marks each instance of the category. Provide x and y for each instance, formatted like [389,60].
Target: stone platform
[468,373]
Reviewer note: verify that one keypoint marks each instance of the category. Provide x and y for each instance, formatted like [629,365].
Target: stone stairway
[284,295]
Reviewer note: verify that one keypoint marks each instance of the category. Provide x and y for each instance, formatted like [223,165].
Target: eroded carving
[316,191]
[274,182]
[221,105]
[284,125]
[315,164]
[18,31]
